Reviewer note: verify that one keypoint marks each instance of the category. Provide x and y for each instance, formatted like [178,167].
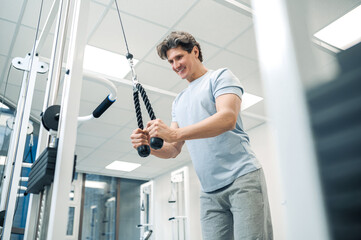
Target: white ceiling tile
[240,66]
[87,168]
[21,47]
[12,93]
[163,109]
[32,12]
[155,76]
[245,44]
[82,152]
[103,158]
[117,145]
[46,50]
[249,122]
[109,35]
[206,25]
[6,36]
[96,128]
[133,157]
[95,13]
[3,69]
[150,10]
[252,83]
[10,10]
[87,140]
[116,116]
[105,2]
[93,91]
[248,2]
[86,108]
[125,98]
[124,133]
[208,50]
[322,13]
[14,77]
[258,109]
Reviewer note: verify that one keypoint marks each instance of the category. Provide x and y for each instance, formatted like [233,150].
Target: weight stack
[335,114]
[42,171]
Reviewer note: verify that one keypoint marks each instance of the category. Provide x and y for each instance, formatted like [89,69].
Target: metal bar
[48,23]
[55,67]
[286,60]
[68,122]
[23,121]
[51,89]
[5,187]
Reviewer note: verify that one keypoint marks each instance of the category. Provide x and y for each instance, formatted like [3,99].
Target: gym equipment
[146,210]
[179,203]
[42,171]
[155,142]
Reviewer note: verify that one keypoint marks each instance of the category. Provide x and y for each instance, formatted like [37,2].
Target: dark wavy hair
[175,39]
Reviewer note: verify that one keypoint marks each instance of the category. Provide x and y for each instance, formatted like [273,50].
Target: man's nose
[176,64]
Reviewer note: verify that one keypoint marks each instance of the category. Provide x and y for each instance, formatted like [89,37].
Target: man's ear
[196,51]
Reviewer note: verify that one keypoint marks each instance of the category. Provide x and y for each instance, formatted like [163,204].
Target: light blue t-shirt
[218,160]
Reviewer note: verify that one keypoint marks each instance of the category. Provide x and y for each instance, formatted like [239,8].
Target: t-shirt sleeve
[174,119]
[226,82]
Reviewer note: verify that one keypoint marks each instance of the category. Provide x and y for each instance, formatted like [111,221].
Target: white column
[68,123]
[286,65]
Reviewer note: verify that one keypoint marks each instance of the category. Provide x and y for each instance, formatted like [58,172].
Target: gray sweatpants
[239,211]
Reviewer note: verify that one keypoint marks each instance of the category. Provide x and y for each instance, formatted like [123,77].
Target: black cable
[121,23]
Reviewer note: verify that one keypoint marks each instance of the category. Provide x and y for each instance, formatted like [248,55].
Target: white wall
[162,209]
[262,144]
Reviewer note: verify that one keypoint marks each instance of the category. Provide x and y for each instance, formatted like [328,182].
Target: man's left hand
[157,128]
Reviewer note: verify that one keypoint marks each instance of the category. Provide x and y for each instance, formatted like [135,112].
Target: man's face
[183,63]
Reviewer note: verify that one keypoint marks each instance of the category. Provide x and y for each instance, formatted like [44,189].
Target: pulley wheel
[50,118]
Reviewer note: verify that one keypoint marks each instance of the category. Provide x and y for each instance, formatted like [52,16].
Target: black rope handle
[155,142]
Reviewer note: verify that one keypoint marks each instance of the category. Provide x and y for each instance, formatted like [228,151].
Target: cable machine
[55,155]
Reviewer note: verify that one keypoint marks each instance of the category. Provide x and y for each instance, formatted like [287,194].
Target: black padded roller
[103,106]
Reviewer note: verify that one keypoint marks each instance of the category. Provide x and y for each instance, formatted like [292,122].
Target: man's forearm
[209,127]
[167,151]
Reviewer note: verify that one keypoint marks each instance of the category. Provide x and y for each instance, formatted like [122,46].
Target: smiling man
[206,116]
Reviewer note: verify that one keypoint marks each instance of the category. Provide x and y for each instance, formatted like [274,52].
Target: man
[206,116]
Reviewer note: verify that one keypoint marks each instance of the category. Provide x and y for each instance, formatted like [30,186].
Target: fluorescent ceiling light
[106,62]
[249,100]
[95,184]
[240,5]
[344,32]
[2,160]
[123,166]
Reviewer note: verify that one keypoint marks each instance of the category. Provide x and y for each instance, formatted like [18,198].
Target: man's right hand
[139,137]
